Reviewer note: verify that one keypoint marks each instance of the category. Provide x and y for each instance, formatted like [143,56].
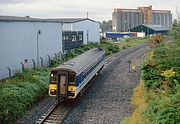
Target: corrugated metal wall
[91,30]
[164,19]
[18,41]
[123,21]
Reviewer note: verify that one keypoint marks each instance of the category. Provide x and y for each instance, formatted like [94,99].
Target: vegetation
[158,101]
[129,42]
[17,94]
[140,104]
[20,92]
[106,26]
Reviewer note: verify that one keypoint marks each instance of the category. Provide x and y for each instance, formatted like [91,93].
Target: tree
[175,23]
[106,26]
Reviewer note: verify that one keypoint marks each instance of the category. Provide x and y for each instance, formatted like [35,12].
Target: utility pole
[178,15]
[87,15]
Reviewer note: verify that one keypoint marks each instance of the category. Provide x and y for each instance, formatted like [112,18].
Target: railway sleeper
[52,121]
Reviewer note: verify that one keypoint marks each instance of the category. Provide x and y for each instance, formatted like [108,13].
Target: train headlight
[52,75]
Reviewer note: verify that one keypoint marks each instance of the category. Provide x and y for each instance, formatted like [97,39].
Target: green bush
[109,48]
[161,75]
[166,57]
[164,110]
[18,94]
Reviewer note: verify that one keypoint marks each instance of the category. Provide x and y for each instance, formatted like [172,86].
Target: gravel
[107,100]
[36,111]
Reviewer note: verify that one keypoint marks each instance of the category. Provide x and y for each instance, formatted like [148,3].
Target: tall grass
[161,80]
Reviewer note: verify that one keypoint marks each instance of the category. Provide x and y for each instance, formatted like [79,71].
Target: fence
[8,72]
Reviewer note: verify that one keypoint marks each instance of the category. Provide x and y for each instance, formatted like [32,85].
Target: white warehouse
[90,28]
[27,39]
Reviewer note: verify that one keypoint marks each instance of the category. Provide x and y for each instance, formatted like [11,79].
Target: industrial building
[115,36]
[126,19]
[27,39]
[90,28]
[149,29]
[72,40]
[34,42]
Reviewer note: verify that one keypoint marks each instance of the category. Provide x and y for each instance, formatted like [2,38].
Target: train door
[62,84]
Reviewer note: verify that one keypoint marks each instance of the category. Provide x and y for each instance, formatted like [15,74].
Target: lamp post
[38,33]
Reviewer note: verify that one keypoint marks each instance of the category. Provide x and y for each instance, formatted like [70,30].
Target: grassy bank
[17,94]
[157,98]
[131,42]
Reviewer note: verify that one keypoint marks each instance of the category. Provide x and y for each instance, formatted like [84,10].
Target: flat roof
[162,11]
[127,10]
[24,19]
[139,10]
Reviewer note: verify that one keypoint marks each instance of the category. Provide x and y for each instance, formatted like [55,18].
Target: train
[70,78]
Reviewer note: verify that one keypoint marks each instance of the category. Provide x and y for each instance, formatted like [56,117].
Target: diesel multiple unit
[126,19]
[67,80]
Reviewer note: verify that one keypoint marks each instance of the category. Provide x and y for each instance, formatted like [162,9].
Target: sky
[98,10]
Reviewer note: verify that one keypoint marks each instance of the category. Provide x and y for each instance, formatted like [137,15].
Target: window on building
[66,38]
[73,38]
[114,28]
[80,37]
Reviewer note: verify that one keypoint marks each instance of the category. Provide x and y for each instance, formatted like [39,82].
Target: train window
[54,78]
[71,78]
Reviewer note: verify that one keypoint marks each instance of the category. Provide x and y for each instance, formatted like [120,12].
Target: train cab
[68,79]
[62,83]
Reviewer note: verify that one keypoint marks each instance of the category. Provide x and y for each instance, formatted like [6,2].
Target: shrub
[163,77]
[16,95]
[164,109]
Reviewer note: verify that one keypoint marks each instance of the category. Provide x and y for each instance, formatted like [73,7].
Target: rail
[44,117]
[64,108]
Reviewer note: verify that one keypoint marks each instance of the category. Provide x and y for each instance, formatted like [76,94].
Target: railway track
[110,59]
[58,111]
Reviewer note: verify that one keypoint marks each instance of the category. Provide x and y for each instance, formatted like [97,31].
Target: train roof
[78,63]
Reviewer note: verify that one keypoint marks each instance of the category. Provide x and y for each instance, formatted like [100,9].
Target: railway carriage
[68,79]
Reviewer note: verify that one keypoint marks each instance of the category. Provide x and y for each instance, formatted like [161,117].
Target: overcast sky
[97,9]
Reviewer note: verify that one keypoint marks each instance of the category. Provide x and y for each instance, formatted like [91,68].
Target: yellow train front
[68,79]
